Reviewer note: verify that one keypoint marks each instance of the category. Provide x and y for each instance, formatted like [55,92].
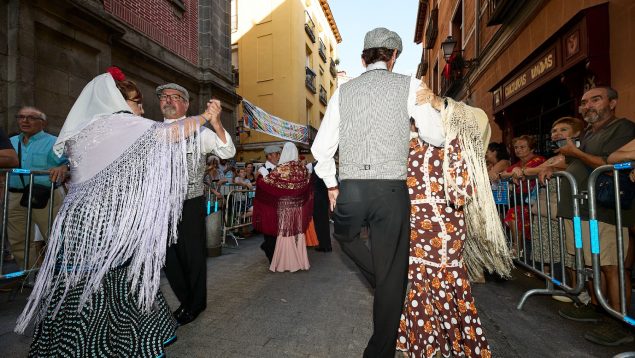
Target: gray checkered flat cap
[173,86]
[382,37]
[272,149]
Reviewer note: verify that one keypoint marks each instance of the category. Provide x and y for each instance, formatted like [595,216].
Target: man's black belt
[13,190]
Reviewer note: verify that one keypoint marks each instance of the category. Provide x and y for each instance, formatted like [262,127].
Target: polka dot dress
[439,314]
[110,325]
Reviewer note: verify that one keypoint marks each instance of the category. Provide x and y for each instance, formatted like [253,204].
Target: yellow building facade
[284,54]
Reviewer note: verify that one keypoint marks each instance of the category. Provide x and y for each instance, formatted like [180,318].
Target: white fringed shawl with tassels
[129,183]
[486,245]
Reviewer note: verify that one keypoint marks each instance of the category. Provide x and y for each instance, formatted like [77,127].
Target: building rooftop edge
[329,17]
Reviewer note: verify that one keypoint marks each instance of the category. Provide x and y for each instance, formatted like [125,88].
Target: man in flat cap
[272,153]
[372,132]
[185,262]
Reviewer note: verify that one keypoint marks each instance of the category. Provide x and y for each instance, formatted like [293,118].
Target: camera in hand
[553,145]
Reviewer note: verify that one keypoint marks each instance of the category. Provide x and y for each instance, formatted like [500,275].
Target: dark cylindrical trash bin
[214,232]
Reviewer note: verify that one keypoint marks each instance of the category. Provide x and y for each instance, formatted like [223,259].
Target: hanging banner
[257,119]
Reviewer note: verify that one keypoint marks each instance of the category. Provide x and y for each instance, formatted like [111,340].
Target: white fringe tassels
[486,245]
[127,214]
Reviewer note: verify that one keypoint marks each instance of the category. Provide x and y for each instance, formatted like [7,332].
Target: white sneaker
[584,297]
[562,298]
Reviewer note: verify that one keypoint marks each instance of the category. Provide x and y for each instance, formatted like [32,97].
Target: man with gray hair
[35,152]
[185,261]
[372,130]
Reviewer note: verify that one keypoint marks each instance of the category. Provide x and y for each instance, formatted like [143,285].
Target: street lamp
[448,47]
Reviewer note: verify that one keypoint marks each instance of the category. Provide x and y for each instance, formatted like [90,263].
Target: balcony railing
[323,98]
[322,51]
[310,80]
[501,11]
[235,75]
[452,77]
[309,26]
[333,69]
[432,30]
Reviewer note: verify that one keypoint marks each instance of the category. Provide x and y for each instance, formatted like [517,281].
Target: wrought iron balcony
[322,51]
[309,26]
[310,80]
[453,76]
[333,69]
[323,98]
[432,30]
[501,11]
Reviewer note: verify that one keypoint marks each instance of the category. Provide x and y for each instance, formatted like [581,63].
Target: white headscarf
[100,96]
[289,153]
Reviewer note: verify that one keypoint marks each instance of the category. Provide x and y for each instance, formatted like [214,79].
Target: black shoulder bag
[605,191]
[40,193]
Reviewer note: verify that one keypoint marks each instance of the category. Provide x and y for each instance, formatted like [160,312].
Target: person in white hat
[368,119]
[272,153]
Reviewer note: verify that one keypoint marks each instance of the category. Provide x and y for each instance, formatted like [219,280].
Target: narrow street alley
[326,312]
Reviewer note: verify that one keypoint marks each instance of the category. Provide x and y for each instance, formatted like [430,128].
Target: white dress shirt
[210,142]
[427,120]
[264,170]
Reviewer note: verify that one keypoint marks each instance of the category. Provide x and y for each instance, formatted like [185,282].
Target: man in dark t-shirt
[605,134]
[8,156]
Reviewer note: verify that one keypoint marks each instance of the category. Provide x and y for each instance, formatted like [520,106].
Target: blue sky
[355,18]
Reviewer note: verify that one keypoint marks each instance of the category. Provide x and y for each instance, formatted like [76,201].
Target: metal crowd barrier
[237,213]
[622,314]
[25,270]
[234,202]
[529,252]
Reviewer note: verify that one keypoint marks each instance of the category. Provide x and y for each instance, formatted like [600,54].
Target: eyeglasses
[21,117]
[136,100]
[172,97]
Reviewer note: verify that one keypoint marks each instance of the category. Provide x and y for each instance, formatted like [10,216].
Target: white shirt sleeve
[263,171]
[211,143]
[427,119]
[327,141]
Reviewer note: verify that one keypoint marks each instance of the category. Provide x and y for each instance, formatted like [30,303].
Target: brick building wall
[49,50]
[503,49]
[163,21]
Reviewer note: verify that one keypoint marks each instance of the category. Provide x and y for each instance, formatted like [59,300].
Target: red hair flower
[116,73]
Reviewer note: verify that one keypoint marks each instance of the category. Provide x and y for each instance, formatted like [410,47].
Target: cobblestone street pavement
[326,312]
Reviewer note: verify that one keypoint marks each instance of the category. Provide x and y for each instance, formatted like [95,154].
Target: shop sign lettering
[535,71]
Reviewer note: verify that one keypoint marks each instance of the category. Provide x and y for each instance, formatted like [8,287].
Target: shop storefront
[550,82]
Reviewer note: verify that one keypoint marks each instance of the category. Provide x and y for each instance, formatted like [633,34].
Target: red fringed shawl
[284,201]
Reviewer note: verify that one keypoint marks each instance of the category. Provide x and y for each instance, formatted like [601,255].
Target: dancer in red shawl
[283,207]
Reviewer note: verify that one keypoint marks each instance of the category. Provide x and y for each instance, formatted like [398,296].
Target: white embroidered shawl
[129,183]
[486,244]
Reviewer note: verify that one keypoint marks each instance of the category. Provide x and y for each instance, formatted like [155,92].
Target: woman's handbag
[40,193]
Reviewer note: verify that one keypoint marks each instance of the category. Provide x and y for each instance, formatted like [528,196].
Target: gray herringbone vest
[374,126]
[196,172]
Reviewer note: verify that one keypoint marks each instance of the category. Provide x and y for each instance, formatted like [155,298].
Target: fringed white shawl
[123,206]
[486,245]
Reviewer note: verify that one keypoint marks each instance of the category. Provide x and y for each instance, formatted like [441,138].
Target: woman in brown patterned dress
[439,316]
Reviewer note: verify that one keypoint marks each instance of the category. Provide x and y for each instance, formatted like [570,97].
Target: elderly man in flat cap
[185,263]
[272,153]
[368,118]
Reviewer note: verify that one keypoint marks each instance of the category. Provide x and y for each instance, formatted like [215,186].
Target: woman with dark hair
[97,293]
[497,159]
[249,167]
[524,147]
